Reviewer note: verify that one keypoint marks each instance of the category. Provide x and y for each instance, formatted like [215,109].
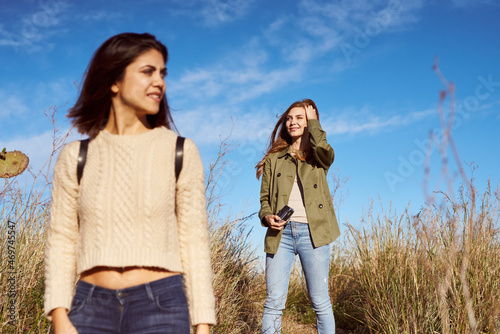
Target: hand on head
[311,113]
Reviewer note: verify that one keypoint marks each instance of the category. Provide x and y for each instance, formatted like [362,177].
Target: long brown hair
[280,139]
[107,67]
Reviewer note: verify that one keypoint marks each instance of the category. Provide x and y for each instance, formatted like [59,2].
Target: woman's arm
[265,205]
[62,233]
[267,218]
[322,151]
[193,238]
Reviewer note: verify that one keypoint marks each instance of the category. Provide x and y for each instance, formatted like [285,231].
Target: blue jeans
[155,307]
[315,262]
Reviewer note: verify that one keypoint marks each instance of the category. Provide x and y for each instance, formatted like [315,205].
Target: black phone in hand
[285,213]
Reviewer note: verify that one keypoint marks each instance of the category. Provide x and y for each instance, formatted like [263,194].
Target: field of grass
[436,272]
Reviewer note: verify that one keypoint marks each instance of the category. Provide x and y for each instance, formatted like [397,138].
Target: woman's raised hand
[275,222]
[311,113]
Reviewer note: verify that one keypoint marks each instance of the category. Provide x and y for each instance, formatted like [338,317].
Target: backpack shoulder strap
[82,158]
[179,154]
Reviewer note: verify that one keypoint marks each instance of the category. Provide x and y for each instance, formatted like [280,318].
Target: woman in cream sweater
[135,235]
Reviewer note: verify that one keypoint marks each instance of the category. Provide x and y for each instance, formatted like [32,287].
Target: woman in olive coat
[294,173]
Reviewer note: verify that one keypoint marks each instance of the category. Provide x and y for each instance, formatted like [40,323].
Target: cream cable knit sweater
[123,214]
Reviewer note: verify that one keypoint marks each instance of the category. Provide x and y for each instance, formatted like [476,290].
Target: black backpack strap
[179,153]
[82,158]
[84,144]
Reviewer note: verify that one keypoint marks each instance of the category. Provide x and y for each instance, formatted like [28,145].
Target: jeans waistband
[147,290]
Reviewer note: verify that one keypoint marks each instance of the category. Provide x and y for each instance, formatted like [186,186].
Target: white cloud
[18,41]
[470,3]
[26,122]
[32,29]
[225,10]
[9,39]
[58,92]
[234,85]
[209,124]
[321,26]
[211,12]
[11,105]
[102,15]
[345,14]
[244,74]
[364,121]
[16,105]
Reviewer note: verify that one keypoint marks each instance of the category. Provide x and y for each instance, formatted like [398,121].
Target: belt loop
[90,293]
[149,292]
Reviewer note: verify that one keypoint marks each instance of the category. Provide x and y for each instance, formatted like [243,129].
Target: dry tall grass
[436,272]
[238,284]
[29,214]
[27,208]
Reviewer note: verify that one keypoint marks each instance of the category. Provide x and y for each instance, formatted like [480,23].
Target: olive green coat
[277,180]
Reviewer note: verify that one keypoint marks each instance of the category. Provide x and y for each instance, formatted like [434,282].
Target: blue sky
[235,64]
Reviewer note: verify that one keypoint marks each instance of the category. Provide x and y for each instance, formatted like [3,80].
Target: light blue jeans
[296,239]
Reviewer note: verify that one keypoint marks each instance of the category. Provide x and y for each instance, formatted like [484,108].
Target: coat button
[321,206]
[315,186]
[279,174]
[313,165]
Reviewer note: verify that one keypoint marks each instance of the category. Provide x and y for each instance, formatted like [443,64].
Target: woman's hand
[203,329]
[275,222]
[311,113]
[61,322]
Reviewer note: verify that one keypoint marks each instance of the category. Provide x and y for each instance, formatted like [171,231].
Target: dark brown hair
[280,139]
[107,67]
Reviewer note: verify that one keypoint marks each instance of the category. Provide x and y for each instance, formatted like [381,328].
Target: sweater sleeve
[62,234]
[323,152]
[193,237]
[265,200]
